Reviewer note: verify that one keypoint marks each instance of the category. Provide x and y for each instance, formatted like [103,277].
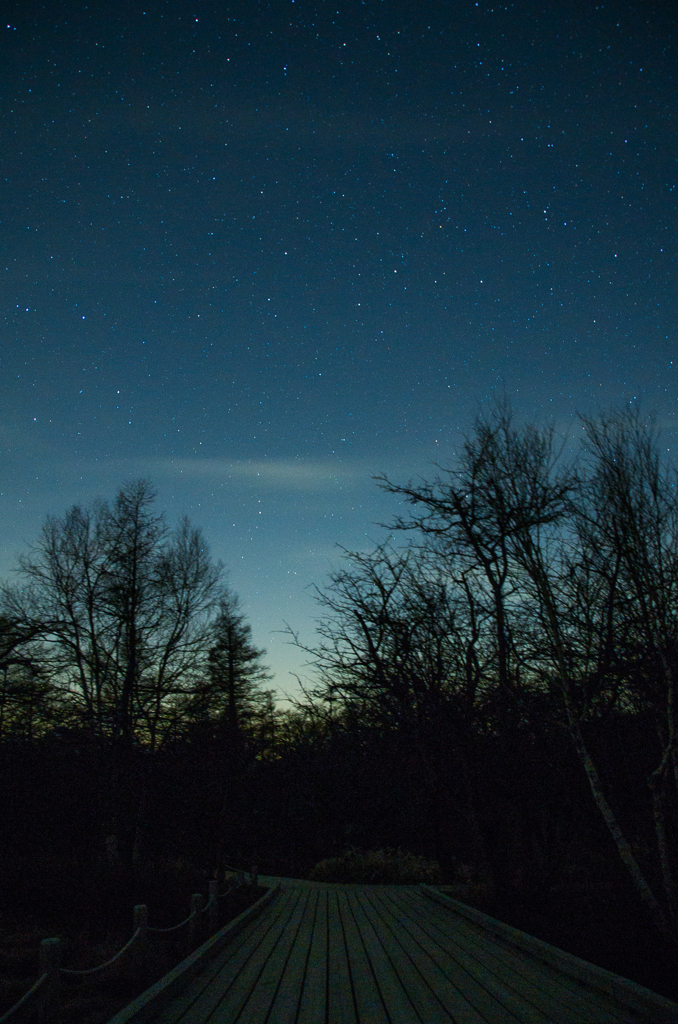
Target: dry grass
[384,867]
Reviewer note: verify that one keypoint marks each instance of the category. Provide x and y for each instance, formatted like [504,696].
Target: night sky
[262,251]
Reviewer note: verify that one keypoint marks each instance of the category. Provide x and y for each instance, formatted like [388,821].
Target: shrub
[385,867]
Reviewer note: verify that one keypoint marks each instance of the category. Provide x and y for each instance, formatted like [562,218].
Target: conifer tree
[233,691]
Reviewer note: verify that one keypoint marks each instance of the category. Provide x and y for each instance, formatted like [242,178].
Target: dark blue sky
[260,252]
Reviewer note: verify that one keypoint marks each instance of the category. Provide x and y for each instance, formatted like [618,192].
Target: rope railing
[174,927]
[33,998]
[69,972]
[40,1000]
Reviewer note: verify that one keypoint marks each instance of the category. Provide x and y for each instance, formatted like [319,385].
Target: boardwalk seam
[327,958]
[285,965]
[629,995]
[475,967]
[379,897]
[369,960]
[239,1014]
[396,955]
[471,944]
[348,961]
[479,992]
[308,955]
[227,963]
[386,952]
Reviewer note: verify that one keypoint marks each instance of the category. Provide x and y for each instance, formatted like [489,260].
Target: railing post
[214,905]
[254,876]
[194,923]
[141,922]
[50,962]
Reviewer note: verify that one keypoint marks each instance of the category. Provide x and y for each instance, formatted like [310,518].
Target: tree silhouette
[533,592]
[117,610]
[230,693]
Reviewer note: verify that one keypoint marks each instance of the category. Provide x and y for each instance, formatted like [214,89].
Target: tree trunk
[656,783]
[625,852]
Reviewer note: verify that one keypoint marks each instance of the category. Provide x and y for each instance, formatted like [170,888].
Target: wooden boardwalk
[333,954]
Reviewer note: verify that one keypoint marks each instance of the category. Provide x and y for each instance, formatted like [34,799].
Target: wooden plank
[428,1005]
[236,972]
[624,993]
[232,960]
[497,1005]
[396,1001]
[559,994]
[370,1007]
[381,955]
[520,981]
[286,1003]
[478,961]
[452,953]
[446,985]
[341,1007]
[478,954]
[251,996]
[313,1004]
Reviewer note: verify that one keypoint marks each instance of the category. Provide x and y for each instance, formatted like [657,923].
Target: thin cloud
[308,475]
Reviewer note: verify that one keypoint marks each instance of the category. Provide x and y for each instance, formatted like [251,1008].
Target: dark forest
[492,690]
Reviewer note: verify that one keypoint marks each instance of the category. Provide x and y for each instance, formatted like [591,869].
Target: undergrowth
[384,867]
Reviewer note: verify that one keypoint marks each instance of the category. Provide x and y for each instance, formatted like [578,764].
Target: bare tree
[27,704]
[118,611]
[469,516]
[403,650]
[513,512]
[630,521]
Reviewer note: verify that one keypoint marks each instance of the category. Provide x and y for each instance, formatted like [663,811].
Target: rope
[32,992]
[201,910]
[93,970]
[26,998]
[174,927]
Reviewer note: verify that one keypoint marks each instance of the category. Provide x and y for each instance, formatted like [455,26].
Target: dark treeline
[492,687]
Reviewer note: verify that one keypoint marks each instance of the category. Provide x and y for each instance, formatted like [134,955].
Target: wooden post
[141,919]
[140,922]
[194,923]
[214,906]
[50,962]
